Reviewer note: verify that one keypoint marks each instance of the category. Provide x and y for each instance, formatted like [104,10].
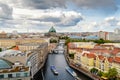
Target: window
[10,76]
[17,74]
[26,74]
[1,76]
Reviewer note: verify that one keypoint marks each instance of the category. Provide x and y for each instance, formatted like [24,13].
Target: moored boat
[72,73]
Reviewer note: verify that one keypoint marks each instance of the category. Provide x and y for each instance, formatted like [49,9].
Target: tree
[71,55]
[53,41]
[100,73]
[94,70]
[100,41]
[112,73]
[105,74]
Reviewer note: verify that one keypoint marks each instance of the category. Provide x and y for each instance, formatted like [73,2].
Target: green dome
[4,64]
[52,29]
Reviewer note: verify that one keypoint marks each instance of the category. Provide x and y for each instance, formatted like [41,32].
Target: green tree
[100,73]
[105,75]
[100,41]
[94,70]
[53,41]
[112,73]
[71,55]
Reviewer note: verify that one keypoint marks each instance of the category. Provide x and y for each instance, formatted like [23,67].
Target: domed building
[51,32]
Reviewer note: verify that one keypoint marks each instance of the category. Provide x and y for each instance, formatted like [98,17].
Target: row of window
[11,75]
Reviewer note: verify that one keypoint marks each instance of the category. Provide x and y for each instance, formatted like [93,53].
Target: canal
[59,61]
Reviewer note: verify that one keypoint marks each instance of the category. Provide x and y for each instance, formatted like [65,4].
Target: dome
[4,64]
[52,29]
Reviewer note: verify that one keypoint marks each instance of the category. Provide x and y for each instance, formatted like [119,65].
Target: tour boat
[72,73]
[53,68]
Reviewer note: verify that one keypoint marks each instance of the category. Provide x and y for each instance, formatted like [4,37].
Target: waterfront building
[102,57]
[116,64]
[24,64]
[89,60]
[36,58]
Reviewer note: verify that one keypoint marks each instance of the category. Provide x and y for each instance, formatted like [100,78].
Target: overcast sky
[64,15]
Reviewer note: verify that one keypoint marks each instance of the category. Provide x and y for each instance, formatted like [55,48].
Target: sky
[63,15]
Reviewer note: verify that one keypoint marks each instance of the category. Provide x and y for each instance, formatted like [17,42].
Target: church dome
[52,29]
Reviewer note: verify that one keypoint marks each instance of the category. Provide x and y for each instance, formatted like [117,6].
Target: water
[59,61]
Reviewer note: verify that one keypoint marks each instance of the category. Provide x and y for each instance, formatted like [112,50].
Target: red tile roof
[110,59]
[89,55]
[15,48]
[117,59]
[101,57]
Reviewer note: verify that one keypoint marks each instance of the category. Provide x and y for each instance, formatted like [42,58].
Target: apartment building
[22,65]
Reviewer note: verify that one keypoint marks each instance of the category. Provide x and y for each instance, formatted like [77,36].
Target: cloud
[42,14]
[5,11]
[41,19]
[88,26]
[48,4]
[53,17]
[118,24]
[36,4]
[96,4]
[112,21]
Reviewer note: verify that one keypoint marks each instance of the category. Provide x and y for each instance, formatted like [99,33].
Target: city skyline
[64,15]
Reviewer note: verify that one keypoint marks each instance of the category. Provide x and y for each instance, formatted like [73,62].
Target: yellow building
[106,65]
[87,60]
[116,64]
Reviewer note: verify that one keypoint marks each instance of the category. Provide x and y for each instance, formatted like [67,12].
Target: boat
[72,73]
[53,68]
[77,78]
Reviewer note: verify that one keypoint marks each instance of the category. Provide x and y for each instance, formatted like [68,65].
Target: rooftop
[15,69]
[11,52]
[52,29]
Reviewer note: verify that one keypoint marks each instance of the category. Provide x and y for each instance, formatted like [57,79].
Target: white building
[15,65]
[114,36]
